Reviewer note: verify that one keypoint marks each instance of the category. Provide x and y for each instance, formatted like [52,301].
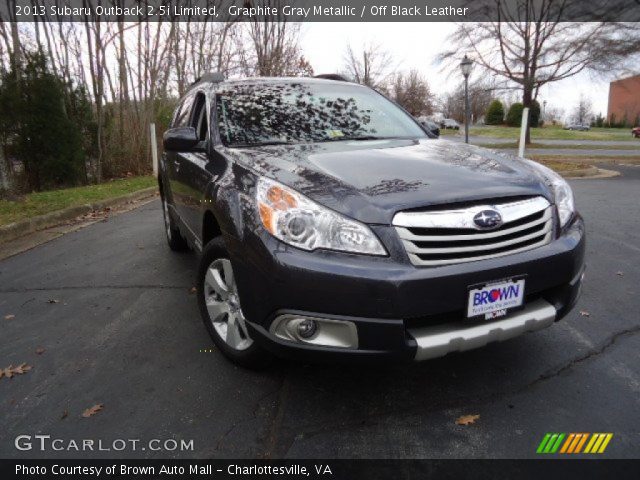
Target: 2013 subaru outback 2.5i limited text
[332,225]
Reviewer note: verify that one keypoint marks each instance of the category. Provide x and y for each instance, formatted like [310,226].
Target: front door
[193,174]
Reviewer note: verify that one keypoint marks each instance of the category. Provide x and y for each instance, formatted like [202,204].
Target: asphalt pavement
[104,315]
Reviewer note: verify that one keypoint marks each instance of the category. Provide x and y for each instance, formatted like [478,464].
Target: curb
[48,220]
[580,172]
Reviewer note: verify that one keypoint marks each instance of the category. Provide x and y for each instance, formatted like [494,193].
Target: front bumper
[401,311]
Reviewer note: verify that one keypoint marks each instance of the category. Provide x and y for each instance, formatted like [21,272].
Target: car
[449,123]
[636,132]
[331,227]
[577,126]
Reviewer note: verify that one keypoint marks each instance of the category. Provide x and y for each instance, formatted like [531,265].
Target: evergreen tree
[43,134]
[514,116]
[495,113]
[534,114]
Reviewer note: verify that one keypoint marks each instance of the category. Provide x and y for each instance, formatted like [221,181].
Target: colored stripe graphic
[565,447]
[598,442]
[594,437]
[543,443]
[573,443]
[583,439]
[550,443]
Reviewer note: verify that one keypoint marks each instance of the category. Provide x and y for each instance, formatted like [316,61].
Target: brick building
[624,101]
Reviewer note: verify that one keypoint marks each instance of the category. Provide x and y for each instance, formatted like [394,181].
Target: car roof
[215,86]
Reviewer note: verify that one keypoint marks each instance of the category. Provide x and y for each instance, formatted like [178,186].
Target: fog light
[307,328]
[328,332]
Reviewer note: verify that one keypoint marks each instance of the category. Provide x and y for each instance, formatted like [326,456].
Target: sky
[416,45]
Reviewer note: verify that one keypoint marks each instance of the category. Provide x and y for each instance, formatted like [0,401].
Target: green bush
[495,113]
[534,114]
[514,116]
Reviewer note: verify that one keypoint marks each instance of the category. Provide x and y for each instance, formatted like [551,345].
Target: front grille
[442,237]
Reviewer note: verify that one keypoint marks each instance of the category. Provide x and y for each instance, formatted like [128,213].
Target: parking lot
[113,310]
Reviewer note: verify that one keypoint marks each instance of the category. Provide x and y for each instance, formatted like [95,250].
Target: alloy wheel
[223,305]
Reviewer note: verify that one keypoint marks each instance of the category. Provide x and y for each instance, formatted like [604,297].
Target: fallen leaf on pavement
[9,317]
[53,300]
[467,419]
[193,290]
[10,371]
[584,313]
[93,410]
[40,350]
[65,414]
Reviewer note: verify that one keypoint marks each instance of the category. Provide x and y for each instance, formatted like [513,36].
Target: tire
[175,240]
[220,308]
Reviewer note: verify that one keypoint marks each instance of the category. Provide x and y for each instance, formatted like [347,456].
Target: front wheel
[219,303]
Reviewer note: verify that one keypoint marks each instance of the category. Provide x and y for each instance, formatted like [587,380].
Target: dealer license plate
[494,299]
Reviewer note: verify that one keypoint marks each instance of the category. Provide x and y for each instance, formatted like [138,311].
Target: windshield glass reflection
[283,113]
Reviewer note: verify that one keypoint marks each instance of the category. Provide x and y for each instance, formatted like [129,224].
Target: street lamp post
[465,66]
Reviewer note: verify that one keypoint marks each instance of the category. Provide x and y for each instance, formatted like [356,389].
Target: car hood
[372,180]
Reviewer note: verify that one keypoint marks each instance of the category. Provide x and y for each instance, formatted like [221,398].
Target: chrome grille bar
[443,237]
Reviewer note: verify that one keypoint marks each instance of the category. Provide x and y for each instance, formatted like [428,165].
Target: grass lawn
[449,132]
[560,146]
[39,203]
[591,159]
[554,133]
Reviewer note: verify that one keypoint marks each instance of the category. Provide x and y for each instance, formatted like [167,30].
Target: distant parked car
[449,123]
[577,126]
[636,132]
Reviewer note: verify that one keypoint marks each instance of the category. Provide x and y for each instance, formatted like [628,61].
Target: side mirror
[180,139]
[431,128]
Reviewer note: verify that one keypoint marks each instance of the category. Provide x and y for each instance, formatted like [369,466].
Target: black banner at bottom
[543,469]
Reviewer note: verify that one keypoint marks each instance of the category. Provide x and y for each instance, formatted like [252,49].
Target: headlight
[561,191]
[298,221]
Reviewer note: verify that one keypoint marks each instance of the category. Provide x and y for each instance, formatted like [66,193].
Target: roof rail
[213,77]
[332,76]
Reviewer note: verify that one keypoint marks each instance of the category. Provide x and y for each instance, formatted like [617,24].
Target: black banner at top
[319,10]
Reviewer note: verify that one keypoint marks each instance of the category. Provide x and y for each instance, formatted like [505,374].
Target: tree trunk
[5,170]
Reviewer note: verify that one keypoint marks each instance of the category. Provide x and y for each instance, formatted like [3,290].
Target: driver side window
[199,119]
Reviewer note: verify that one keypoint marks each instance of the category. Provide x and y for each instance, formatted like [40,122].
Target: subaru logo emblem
[487,219]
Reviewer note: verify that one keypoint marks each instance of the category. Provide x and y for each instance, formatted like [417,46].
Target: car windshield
[288,112]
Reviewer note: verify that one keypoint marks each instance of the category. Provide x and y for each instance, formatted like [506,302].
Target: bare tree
[583,111]
[275,49]
[481,93]
[370,66]
[529,44]
[413,93]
